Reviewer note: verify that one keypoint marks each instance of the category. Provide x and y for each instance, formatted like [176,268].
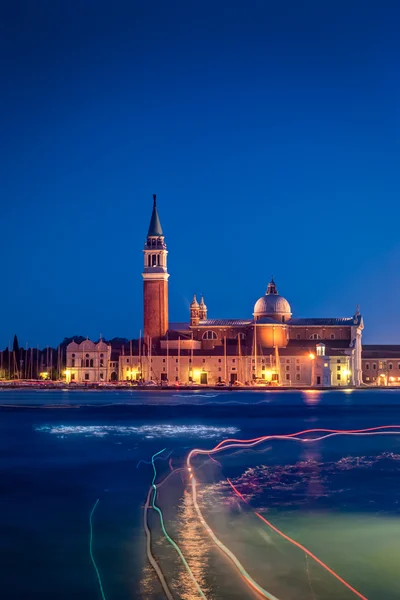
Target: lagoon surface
[303,518]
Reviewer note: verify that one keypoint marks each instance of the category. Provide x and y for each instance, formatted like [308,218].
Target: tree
[16,347]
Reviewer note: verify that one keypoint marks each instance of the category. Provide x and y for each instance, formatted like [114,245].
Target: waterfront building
[89,362]
[271,346]
[381,365]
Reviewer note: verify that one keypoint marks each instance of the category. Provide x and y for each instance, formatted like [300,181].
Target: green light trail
[169,539]
[91,551]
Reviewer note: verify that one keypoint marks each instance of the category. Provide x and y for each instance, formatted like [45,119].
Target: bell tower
[155,279]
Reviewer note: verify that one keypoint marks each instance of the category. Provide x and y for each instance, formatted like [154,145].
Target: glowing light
[325,364]
[235,443]
[346,373]
[311,356]
[168,538]
[44,375]
[268,375]
[91,550]
[391,378]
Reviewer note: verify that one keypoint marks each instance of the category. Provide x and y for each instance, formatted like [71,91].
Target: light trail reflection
[236,443]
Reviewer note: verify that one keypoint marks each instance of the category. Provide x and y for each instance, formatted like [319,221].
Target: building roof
[327,322]
[155,229]
[225,322]
[178,327]
[381,351]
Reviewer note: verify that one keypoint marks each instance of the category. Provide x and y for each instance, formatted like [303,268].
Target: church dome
[272,305]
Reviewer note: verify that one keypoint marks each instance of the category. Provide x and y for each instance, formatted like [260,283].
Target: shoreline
[57,385]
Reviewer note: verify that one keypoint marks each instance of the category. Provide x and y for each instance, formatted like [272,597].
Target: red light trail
[235,443]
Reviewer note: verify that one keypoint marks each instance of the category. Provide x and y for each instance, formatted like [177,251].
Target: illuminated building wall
[88,362]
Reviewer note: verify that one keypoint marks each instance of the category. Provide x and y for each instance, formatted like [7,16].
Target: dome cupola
[272,305]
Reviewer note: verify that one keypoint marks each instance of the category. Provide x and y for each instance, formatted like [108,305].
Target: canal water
[304,518]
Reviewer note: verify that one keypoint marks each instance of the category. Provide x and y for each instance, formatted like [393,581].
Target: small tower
[194,312]
[202,310]
[155,279]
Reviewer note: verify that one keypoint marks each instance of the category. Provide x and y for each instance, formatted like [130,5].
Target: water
[60,452]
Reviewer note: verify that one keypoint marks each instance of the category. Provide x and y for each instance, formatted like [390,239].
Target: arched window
[73,355]
[91,362]
[367,366]
[209,335]
[332,336]
[149,260]
[102,362]
[87,362]
[283,318]
[241,336]
[390,365]
[315,336]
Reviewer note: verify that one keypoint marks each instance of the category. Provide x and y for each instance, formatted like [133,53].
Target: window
[338,377]
[367,379]
[287,376]
[72,376]
[190,361]
[332,336]
[288,360]
[338,360]
[209,335]
[73,355]
[297,376]
[233,368]
[219,369]
[87,355]
[233,360]
[338,367]
[176,360]
[367,366]
[101,376]
[374,366]
[73,362]
[91,362]
[163,359]
[320,349]
[315,336]
[204,360]
[297,360]
[283,318]
[101,362]
[176,379]
[298,336]
[287,368]
[390,365]
[127,361]
[176,368]
[87,362]
[220,360]
[101,355]
[297,368]
[263,368]
[163,368]
[318,380]
[87,376]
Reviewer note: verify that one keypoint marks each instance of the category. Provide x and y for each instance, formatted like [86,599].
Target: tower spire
[155,229]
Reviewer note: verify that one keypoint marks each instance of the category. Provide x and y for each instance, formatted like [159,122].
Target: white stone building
[88,362]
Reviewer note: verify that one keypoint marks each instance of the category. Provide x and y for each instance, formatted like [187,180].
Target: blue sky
[269,131]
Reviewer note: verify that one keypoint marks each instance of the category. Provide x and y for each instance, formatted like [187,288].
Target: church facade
[268,347]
